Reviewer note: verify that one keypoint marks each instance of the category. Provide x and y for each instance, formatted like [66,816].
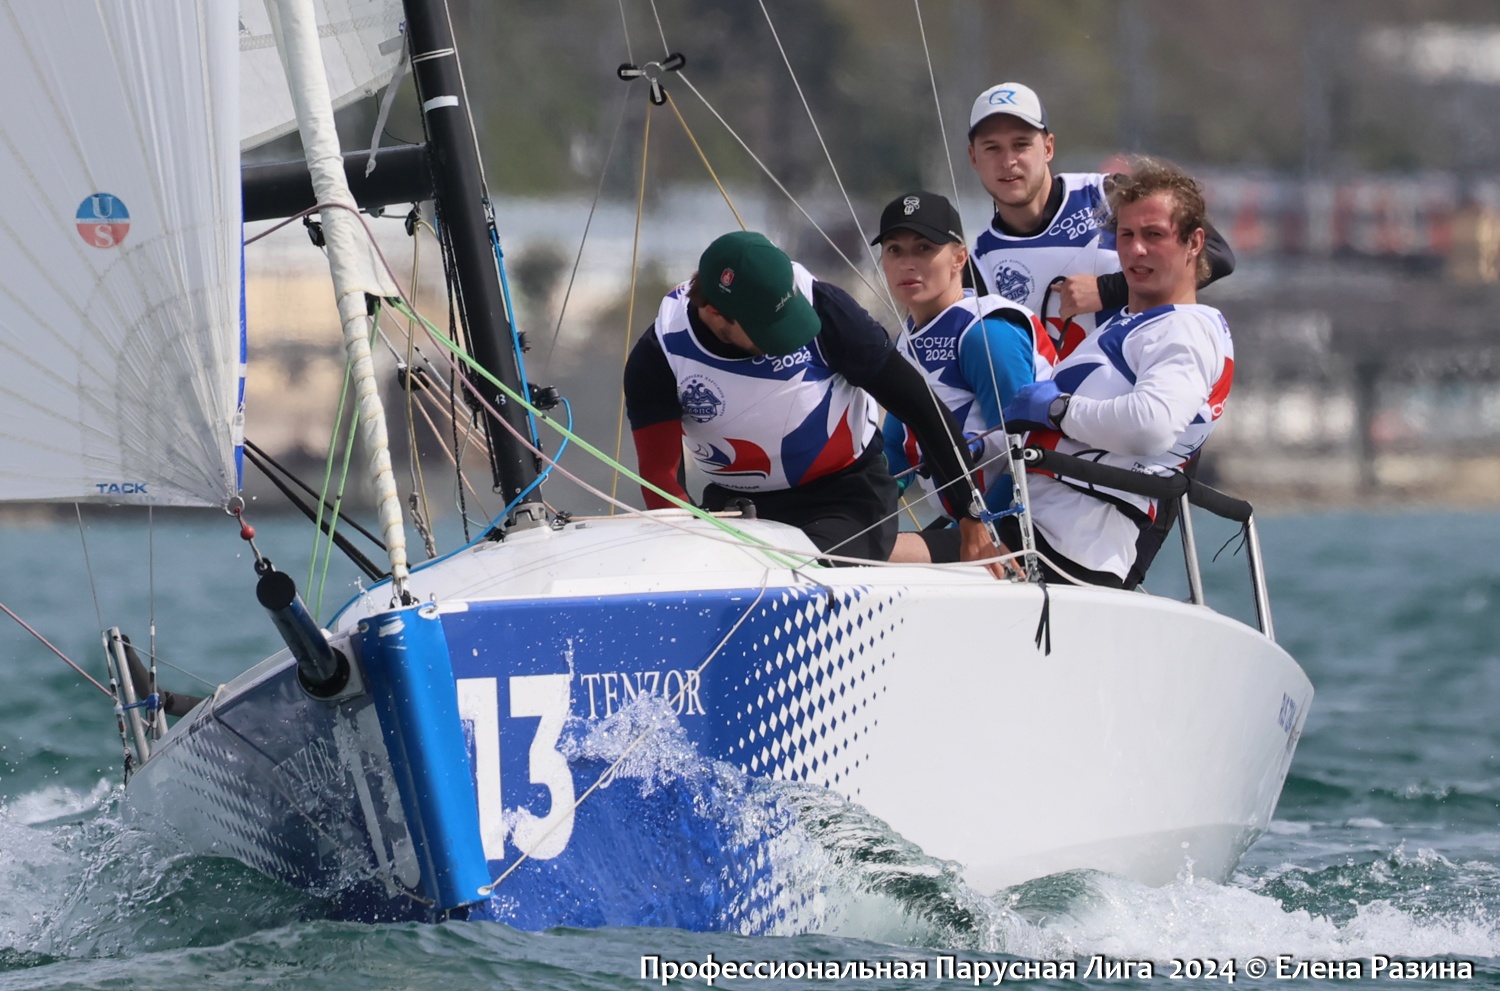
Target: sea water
[1386,843]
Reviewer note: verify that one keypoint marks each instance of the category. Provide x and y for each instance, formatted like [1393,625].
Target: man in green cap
[772,378]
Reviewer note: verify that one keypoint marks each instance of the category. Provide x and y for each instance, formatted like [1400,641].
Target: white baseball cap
[1013,99]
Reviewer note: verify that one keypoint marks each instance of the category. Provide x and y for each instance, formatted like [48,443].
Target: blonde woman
[974,352]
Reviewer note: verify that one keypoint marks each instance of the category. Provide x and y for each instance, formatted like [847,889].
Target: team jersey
[1147,390]
[1074,242]
[768,422]
[974,374]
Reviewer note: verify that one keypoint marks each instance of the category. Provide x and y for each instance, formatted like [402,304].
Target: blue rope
[152,702]
[510,312]
[545,472]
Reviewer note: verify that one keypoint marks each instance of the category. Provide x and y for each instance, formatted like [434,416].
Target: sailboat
[563,723]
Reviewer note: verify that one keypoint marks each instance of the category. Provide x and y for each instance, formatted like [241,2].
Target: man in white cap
[1047,247]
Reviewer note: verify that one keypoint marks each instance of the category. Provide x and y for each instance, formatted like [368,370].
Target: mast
[466,217]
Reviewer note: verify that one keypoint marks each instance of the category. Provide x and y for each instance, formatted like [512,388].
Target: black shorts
[851,512]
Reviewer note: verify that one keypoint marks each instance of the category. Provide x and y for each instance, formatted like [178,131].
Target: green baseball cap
[749,280]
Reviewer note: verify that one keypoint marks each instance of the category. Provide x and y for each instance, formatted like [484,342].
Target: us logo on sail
[103,220]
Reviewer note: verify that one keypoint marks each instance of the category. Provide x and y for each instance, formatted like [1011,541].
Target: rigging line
[624,26]
[838,180]
[259,452]
[180,670]
[938,104]
[89,566]
[968,476]
[787,193]
[635,255]
[704,159]
[443,446]
[420,507]
[608,774]
[453,350]
[659,30]
[910,512]
[599,455]
[728,534]
[338,423]
[338,500]
[151,578]
[609,157]
[46,643]
[350,551]
[1028,541]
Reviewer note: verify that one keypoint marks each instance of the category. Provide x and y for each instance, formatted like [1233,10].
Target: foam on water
[55,802]
[829,866]
[1188,918]
[80,883]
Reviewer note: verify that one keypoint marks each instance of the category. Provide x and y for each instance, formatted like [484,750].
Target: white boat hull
[1153,740]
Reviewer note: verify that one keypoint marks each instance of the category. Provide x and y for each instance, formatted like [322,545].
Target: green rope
[608,461]
[338,499]
[338,422]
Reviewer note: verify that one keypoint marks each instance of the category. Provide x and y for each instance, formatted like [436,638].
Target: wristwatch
[1057,409]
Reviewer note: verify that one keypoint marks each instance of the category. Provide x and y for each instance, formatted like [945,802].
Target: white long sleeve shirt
[1147,388]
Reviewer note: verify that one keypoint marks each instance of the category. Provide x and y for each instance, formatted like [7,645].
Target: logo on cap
[909,205]
[1003,97]
[725,278]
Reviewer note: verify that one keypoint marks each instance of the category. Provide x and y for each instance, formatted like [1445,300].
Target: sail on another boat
[121,326]
[361,42]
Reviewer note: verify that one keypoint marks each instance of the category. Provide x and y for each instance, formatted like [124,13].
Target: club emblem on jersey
[726,278]
[701,398]
[103,220]
[910,204]
[1013,281]
[744,459]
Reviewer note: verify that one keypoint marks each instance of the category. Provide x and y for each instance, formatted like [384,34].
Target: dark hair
[1149,176]
[695,292]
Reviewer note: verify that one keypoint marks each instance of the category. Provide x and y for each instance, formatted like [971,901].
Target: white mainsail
[121,327]
[361,41]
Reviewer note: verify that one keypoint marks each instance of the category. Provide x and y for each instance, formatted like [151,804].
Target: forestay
[121,340]
[361,43]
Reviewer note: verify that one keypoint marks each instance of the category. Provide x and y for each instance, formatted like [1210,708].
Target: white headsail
[121,343]
[361,41]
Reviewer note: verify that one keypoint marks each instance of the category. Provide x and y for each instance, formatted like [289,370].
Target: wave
[85,887]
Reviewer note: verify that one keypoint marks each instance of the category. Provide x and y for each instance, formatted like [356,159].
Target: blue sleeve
[1001,344]
[894,432]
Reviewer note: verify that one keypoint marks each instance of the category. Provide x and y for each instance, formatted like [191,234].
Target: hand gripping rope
[653,73]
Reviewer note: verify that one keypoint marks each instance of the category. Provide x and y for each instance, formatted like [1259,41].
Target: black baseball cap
[929,214]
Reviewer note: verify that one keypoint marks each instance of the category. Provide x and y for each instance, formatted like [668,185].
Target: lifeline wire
[46,643]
